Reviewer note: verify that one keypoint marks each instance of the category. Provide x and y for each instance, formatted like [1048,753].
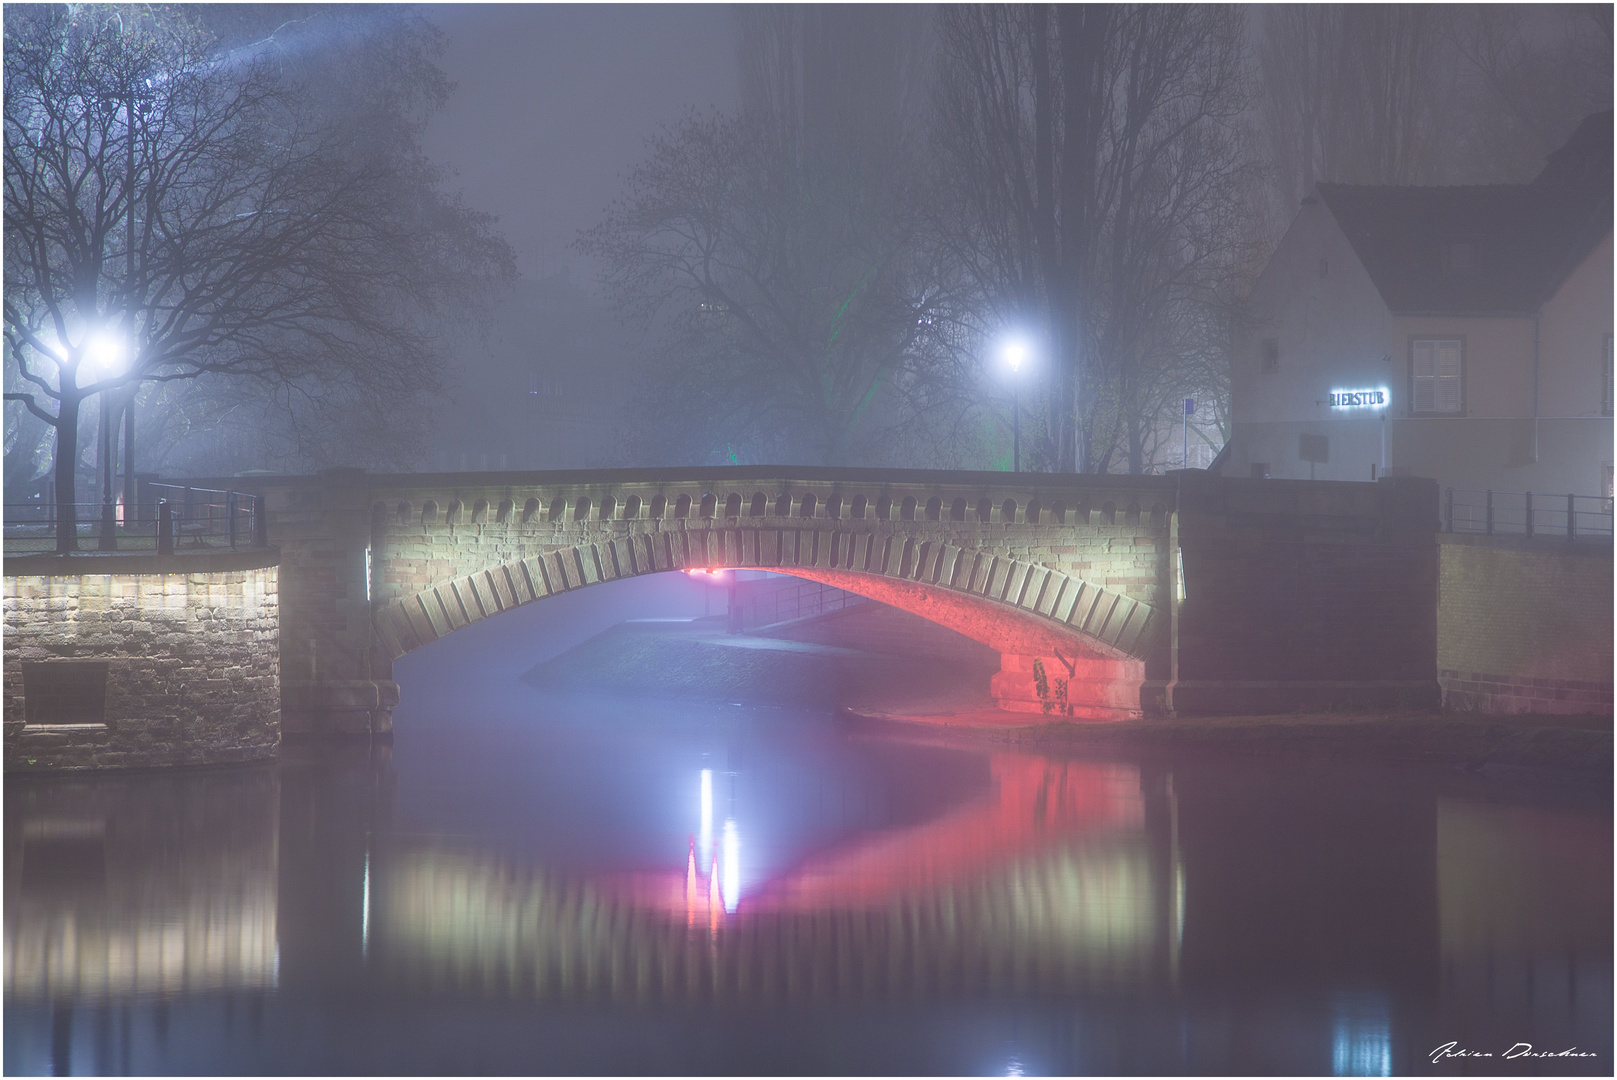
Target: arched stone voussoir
[1009,604]
[1007,628]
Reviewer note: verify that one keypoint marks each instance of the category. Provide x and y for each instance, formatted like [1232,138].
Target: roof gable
[1495,249]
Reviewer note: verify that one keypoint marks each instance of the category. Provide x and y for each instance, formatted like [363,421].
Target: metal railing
[767,602]
[183,519]
[1527,513]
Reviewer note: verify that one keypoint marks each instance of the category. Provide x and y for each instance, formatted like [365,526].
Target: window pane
[1448,358]
[1436,367]
[1423,393]
[1448,393]
[1423,359]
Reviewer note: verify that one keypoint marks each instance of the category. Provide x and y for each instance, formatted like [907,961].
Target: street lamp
[1015,353]
[106,356]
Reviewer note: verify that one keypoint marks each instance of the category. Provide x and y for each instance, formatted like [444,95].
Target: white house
[1461,333]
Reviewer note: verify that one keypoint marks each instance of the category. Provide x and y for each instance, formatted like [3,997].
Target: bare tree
[781,287]
[1095,171]
[1527,74]
[172,212]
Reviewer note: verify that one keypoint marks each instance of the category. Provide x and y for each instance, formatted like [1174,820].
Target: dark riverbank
[1579,746]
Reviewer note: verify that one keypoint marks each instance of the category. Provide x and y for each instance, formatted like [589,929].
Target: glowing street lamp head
[106,354]
[1015,353]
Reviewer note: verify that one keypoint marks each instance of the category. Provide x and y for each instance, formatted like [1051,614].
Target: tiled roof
[1495,249]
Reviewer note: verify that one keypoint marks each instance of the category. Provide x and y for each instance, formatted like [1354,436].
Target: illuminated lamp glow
[1015,352]
[732,866]
[706,571]
[1374,398]
[106,354]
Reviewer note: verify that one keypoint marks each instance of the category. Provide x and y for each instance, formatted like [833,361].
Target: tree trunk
[67,461]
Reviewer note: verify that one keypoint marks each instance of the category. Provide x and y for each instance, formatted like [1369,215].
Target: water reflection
[930,908]
[1047,881]
[1524,911]
[141,885]
[1362,1040]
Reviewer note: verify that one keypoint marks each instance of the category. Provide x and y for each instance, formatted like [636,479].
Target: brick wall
[1525,625]
[191,652]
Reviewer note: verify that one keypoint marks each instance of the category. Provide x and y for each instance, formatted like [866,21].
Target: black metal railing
[1527,513]
[182,519]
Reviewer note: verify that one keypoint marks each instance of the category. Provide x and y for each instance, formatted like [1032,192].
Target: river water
[588,885]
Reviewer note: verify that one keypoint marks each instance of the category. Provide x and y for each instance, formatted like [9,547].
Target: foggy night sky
[553,104]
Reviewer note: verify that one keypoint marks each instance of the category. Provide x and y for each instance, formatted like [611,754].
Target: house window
[1260,470]
[1435,375]
[1605,397]
[1270,356]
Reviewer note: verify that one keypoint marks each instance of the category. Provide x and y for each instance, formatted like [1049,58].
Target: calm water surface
[616,886]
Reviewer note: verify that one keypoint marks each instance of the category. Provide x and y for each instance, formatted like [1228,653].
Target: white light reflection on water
[1362,1043]
[365,912]
[704,838]
[732,866]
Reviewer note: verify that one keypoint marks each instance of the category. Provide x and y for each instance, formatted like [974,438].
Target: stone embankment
[131,661]
[1579,746]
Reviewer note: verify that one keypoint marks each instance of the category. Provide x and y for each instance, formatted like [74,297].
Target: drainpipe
[1176,571]
[1535,387]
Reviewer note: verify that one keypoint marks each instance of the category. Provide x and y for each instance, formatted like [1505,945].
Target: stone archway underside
[1067,645]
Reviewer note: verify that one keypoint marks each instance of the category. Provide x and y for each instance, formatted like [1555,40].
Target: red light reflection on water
[1032,803]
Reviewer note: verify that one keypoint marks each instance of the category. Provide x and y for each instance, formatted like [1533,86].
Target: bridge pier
[336,682]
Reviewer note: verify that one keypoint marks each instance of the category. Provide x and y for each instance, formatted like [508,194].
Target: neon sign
[1359,399]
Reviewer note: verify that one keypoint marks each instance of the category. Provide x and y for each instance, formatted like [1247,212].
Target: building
[1460,333]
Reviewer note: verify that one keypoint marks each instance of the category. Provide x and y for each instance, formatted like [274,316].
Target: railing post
[185,510]
[165,528]
[1571,517]
[1449,511]
[230,517]
[260,523]
[109,527]
[1490,512]
[1529,513]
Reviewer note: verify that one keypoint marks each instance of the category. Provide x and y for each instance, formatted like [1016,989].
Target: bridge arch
[1089,641]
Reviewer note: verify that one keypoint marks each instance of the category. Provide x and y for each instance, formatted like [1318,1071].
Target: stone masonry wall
[1301,595]
[447,550]
[1525,625]
[192,655]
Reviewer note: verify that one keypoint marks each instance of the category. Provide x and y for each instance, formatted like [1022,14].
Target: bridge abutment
[336,682]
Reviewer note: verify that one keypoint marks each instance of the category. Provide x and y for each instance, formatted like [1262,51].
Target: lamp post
[106,352]
[1015,354]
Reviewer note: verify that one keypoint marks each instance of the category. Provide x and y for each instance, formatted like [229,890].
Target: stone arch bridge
[1135,594]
